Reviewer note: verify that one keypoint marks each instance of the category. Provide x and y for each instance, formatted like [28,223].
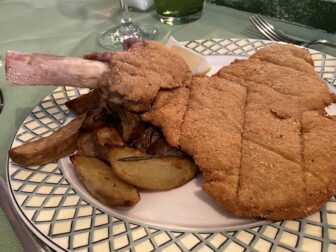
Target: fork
[270,32]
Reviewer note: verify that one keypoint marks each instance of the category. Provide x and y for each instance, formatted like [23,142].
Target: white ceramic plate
[56,207]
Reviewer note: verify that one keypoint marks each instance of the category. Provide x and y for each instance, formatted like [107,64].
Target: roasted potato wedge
[152,141]
[146,138]
[102,183]
[131,125]
[151,172]
[162,148]
[84,103]
[86,145]
[59,144]
[95,119]
[106,138]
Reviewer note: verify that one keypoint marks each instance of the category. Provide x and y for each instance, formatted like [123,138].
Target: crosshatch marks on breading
[211,133]
[272,121]
[208,132]
[223,184]
[272,153]
[306,88]
[271,186]
[263,128]
[269,121]
[319,147]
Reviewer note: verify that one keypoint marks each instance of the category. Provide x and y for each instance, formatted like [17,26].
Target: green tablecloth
[71,27]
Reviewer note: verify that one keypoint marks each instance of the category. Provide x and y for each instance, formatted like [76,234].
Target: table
[71,27]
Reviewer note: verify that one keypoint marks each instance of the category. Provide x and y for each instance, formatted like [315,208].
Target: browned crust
[288,56]
[139,73]
[59,144]
[256,154]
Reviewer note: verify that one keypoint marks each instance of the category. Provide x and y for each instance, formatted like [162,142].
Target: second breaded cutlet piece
[167,113]
[137,75]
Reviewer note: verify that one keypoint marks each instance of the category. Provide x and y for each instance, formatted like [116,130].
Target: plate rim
[49,241]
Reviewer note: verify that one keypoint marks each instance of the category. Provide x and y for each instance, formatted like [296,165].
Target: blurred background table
[71,27]
[319,14]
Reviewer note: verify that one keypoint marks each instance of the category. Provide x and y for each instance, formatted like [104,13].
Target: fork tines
[268,30]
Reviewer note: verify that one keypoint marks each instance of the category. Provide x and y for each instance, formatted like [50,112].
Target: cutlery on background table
[270,32]
[27,239]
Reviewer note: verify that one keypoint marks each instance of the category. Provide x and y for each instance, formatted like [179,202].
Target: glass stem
[126,19]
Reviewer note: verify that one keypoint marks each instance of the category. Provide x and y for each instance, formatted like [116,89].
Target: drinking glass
[113,38]
[178,11]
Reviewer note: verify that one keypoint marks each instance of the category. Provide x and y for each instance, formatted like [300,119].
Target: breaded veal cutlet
[258,132]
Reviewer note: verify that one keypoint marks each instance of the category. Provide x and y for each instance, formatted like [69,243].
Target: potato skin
[102,183]
[105,138]
[84,103]
[108,137]
[131,125]
[59,144]
[151,172]
[86,145]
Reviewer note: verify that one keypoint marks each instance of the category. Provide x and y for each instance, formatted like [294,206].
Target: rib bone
[46,69]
